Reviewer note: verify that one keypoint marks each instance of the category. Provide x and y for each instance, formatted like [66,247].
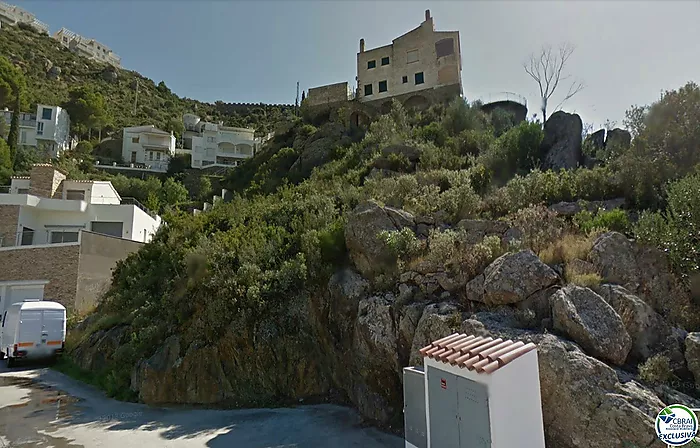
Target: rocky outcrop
[54,72]
[562,141]
[511,278]
[366,248]
[110,74]
[649,332]
[596,140]
[692,355]
[618,139]
[98,349]
[316,149]
[585,406]
[646,273]
[586,318]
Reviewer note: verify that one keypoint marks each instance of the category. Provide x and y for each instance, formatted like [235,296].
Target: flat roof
[40,305]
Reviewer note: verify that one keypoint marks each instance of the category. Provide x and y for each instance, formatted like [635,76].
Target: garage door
[14,294]
[108,228]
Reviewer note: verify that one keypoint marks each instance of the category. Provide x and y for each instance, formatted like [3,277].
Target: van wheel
[10,362]
[2,355]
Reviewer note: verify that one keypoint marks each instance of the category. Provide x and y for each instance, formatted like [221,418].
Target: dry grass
[586,280]
[569,247]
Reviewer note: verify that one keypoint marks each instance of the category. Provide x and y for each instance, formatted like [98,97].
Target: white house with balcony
[47,208]
[86,47]
[147,147]
[216,145]
[47,130]
[14,15]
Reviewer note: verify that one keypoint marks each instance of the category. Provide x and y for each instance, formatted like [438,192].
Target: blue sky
[238,51]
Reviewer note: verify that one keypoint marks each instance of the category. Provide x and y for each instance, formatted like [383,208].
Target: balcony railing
[133,201]
[40,237]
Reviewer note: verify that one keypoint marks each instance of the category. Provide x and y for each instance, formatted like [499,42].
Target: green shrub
[676,231]
[539,226]
[656,369]
[432,133]
[516,151]
[615,220]
[402,243]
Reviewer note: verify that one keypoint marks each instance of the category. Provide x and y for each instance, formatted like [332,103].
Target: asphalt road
[40,407]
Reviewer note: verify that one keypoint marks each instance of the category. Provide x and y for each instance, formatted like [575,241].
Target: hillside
[342,254]
[51,71]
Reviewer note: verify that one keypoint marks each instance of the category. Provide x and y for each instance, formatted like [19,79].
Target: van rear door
[54,328]
[29,334]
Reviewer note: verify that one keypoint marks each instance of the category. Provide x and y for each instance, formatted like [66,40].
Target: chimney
[362,45]
[427,14]
[45,180]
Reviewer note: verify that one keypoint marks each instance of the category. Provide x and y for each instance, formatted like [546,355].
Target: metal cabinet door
[416,432]
[442,390]
[473,414]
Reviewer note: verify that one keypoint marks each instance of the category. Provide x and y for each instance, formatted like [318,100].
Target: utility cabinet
[480,392]
[415,425]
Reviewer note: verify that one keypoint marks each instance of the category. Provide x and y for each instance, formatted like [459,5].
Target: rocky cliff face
[353,338]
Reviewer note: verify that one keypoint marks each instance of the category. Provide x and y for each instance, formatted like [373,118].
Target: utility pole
[296,103]
[136,98]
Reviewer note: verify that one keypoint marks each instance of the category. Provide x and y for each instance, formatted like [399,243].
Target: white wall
[13,292]
[103,193]
[515,404]
[138,225]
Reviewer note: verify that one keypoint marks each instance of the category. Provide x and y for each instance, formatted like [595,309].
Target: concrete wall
[98,258]
[332,93]
[57,263]
[438,71]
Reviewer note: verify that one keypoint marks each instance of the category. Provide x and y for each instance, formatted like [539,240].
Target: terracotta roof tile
[478,353]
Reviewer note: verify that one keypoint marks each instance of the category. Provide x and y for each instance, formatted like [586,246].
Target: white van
[32,329]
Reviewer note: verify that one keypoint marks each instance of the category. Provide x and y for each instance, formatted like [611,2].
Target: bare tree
[546,69]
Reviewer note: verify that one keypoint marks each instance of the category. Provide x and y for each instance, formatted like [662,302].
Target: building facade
[148,147]
[47,208]
[14,15]
[86,47]
[216,145]
[418,67]
[60,239]
[47,130]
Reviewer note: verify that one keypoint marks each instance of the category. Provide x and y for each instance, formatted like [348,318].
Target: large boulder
[618,139]
[437,321]
[562,141]
[54,72]
[511,278]
[596,140]
[649,332]
[586,318]
[585,406]
[646,273]
[366,248]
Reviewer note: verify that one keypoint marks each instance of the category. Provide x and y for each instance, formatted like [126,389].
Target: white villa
[14,15]
[46,130]
[47,208]
[61,239]
[147,147]
[216,145]
[89,48]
